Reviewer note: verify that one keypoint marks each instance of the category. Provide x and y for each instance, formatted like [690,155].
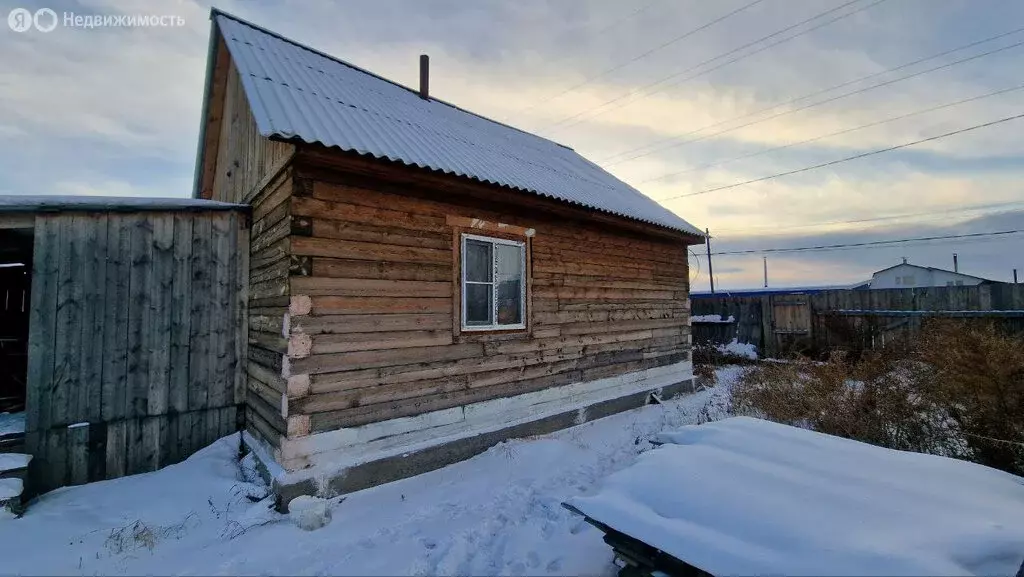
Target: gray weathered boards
[135,338]
[821,320]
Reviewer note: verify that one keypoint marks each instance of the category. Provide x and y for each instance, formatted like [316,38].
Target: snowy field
[498,513]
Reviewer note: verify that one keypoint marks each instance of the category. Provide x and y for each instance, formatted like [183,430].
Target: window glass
[479,266]
[508,265]
[478,304]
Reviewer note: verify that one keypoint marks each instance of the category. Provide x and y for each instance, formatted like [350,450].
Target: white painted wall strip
[331,452]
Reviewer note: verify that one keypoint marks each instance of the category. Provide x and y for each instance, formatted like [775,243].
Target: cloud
[984,256]
[116,111]
[123,188]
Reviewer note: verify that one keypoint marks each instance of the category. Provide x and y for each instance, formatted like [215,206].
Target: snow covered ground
[738,349]
[12,423]
[498,513]
[765,498]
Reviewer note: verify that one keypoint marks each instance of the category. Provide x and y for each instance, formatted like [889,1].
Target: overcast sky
[116,111]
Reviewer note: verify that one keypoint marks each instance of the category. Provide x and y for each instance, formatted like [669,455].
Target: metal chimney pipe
[424,77]
[956,265]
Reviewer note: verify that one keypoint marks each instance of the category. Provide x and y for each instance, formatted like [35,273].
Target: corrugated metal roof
[57,203]
[297,92]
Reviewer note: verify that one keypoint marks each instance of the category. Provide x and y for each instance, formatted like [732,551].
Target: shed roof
[296,92]
[45,203]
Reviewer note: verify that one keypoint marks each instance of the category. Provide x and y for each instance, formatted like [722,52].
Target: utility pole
[711,271]
[765,257]
[956,267]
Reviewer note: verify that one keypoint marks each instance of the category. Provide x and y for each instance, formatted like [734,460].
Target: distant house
[424,281]
[906,275]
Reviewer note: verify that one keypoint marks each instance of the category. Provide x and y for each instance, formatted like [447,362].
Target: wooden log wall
[135,341]
[269,266]
[374,285]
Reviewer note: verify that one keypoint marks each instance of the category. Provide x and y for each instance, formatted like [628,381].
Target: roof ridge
[214,11]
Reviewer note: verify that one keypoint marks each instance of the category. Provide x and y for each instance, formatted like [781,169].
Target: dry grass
[705,354]
[705,374]
[956,390]
[138,535]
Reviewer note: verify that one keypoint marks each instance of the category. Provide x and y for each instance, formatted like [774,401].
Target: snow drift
[745,496]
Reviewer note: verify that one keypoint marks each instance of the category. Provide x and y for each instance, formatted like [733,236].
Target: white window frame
[494,326]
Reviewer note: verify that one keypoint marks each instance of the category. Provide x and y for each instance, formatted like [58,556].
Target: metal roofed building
[425,282]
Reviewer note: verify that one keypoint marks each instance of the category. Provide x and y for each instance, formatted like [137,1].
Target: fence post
[767,336]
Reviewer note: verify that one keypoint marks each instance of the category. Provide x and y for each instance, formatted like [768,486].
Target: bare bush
[956,390]
[977,372]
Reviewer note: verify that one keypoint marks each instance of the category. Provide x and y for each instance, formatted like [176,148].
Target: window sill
[491,335]
[502,329]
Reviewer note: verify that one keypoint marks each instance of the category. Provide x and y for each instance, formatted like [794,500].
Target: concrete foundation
[393,468]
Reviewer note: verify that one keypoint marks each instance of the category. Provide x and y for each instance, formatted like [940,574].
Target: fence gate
[791,320]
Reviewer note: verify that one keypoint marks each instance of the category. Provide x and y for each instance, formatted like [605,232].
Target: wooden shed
[424,281]
[124,343]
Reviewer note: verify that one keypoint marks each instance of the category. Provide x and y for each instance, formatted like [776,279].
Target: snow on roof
[297,92]
[750,497]
[56,203]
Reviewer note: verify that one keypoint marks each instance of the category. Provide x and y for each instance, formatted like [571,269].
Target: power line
[696,275]
[962,243]
[968,208]
[610,25]
[644,55]
[874,243]
[855,157]
[629,16]
[695,67]
[563,125]
[815,93]
[815,104]
[846,131]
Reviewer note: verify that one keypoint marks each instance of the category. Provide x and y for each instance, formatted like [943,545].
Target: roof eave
[690,238]
[211,59]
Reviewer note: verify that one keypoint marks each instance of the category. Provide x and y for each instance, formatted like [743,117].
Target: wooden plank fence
[815,322]
[135,327]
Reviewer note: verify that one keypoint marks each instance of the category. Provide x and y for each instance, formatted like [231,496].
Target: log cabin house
[425,282]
